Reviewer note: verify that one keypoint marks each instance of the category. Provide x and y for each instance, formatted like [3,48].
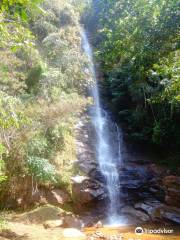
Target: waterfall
[105,154]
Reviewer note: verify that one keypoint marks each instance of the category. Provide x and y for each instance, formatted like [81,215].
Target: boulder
[172,189]
[72,221]
[170,213]
[99,224]
[87,167]
[172,201]
[158,170]
[158,192]
[158,210]
[171,181]
[53,223]
[54,196]
[41,214]
[150,207]
[97,175]
[86,190]
[135,213]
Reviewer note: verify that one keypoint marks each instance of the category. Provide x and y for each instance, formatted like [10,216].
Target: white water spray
[106,157]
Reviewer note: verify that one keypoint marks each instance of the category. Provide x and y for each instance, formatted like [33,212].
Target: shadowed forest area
[137,47]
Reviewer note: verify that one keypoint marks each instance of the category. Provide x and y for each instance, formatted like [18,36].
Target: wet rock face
[138,182]
[159,211]
[135,213]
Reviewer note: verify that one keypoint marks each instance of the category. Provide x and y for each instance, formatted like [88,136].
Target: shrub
[38,146]
[33,79]
[41,169]
[2,164]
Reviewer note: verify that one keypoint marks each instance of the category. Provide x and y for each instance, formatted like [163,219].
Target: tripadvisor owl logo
[139,231]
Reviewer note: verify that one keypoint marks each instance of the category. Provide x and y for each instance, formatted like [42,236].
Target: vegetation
[137,44]
[41,86]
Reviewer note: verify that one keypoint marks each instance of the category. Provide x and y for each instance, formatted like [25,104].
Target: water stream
[106,155]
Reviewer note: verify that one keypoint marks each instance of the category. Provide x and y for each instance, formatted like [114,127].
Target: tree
[137,46]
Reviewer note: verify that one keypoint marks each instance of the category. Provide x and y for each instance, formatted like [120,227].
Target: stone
[53,223]
[87,167]
[70,220]
[134,176]
[158,192]
[170,181]
[99,235]
[79,179]
[41,214]
[159,210]
[55,196]
[136,213]
[99,224]
[8,234]
[158,170]
[173,201]
[86,190]
[132,183]
[170,213]
[172,189]
[97,175]
[151,208]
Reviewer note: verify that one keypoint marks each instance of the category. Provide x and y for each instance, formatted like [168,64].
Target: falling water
[106,156]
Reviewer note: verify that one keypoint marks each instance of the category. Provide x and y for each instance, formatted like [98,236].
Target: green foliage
[3,222]
[2,164]
[41,169]
[33,78]
[19,8]
[41,82]
[37,146]
[11,114]
[138,48]
[12,80]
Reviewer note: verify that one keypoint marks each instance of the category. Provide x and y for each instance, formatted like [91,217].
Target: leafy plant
[41,169]
[137,45]
[2,164]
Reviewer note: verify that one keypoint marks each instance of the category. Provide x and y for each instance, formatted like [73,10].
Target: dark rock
[158,170]
[150,207]
[156,209]
[172,188]
[97,175]
[170,213]
[86,190]
[135,213]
